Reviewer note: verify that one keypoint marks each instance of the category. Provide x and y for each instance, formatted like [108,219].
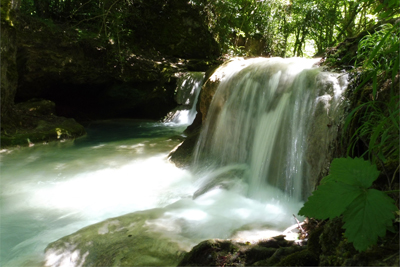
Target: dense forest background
[276,27]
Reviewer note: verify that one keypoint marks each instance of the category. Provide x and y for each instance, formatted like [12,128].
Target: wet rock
[216,252]
[213,253]
[122,241]
[182,155]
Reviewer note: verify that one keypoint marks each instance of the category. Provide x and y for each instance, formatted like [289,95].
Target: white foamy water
[264,140]
[50,191]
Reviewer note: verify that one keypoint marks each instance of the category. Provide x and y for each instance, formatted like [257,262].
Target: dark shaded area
[116,61]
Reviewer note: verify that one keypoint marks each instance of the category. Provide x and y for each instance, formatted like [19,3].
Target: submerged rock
[128,240]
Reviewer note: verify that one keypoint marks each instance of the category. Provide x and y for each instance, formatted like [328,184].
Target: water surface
[49,191]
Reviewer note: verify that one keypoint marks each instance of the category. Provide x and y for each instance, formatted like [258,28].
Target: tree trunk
[9,75]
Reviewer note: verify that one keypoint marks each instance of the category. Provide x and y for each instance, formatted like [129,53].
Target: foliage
[283,28]
[380,50]
[367,213]
[376,119]
[287,27]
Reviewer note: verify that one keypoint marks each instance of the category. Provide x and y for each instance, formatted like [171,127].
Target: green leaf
[374,85]
[329,200]
[355,171]
[367,213]
[368,217]
[378,47]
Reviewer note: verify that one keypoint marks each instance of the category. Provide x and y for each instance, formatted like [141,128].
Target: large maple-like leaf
[352,171]
[368,217]
[330,200]
[367,213]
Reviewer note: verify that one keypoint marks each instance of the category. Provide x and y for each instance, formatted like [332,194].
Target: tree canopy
[295,27]
[280,27]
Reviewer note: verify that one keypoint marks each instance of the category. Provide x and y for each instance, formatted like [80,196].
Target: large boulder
[128,240]
[35,122]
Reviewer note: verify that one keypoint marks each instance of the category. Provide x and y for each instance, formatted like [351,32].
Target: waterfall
[263,143]
[187,93]
[268,125]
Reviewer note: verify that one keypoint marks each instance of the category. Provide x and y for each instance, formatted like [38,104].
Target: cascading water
[260,123]
[187,93]
[266,131]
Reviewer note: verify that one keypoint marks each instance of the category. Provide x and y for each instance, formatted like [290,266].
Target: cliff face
[91,77]
[86,80]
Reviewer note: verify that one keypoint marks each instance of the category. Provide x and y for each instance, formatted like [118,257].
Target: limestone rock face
[182,155]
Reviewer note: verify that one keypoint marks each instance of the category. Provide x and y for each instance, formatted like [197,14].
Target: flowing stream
[252,170]
[48,191]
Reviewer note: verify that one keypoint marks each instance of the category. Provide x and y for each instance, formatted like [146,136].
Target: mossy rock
[300,258]
[214,253]
[313,244]
[126,240]
[258,253]
[279,254]
[38,106]
[47,129]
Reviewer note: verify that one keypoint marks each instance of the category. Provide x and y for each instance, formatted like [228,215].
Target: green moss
[281,253]
[203,254]
[258,253]
[300,258]
[121,241]
[313,244]
[40,130]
